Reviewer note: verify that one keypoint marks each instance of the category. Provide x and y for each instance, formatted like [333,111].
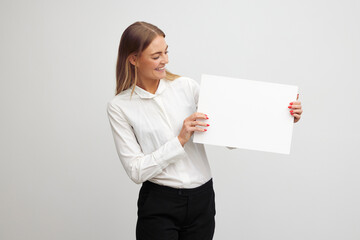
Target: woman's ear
[132,59]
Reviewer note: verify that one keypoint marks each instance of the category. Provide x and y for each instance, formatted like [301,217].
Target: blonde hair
[134,40]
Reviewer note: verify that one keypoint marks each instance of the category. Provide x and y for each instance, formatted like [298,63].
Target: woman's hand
[296,109]
[189,126]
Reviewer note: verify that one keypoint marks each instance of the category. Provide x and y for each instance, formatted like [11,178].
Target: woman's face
[152,61]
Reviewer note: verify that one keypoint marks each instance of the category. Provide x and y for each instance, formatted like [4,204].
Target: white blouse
[145,130]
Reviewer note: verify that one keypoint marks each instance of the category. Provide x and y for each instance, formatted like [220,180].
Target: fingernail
[291,103]
[208,124]
[291,111]
[207,117]
[289,106]
[205,130]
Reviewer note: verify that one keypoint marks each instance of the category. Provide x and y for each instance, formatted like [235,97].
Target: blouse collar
[145,94]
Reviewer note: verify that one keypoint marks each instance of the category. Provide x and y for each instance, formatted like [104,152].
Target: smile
[160,69]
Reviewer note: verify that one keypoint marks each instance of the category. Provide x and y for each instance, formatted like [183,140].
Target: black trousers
[166,213]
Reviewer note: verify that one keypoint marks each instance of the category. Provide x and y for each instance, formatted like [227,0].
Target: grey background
[60,177]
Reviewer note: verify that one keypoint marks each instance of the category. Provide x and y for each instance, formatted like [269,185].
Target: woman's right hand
[189,126]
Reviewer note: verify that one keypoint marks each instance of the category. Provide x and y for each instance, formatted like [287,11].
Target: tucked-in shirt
[145,129]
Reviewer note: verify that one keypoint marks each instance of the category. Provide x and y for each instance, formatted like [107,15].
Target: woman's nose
[165,59]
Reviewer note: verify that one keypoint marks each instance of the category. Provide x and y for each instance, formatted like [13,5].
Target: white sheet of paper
[246,114]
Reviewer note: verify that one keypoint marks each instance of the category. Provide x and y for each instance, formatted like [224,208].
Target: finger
[297,116]
[194,123]
[297,111]
[197,129]
[295,107]
[297,97]
[198,115]
[295,103]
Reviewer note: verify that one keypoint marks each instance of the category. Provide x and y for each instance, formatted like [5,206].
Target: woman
[153,117]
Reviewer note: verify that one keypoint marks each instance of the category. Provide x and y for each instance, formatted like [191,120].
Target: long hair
[135,39]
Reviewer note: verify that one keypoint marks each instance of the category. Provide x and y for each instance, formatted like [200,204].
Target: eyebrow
[160,51]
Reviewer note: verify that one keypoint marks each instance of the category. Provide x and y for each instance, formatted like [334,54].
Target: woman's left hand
[295,109]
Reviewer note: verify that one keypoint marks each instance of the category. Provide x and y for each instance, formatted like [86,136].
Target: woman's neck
[149,86]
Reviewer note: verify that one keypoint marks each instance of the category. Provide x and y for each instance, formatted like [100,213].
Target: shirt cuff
[172,152]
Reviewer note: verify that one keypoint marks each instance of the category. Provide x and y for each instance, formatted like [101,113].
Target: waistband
[178,191]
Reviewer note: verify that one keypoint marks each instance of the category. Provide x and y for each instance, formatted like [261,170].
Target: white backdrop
[60,177]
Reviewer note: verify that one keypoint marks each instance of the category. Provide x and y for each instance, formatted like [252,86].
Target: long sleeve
[139,166]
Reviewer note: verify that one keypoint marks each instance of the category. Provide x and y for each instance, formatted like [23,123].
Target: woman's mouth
[160,69]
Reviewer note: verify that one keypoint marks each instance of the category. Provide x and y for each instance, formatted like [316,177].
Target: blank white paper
[246,114]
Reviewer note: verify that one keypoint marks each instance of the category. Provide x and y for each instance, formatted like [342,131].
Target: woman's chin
[161,75]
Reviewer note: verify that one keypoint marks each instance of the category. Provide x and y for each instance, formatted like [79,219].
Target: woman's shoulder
[122,97]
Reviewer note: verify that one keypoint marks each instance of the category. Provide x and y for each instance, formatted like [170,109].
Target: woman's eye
[166,52]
